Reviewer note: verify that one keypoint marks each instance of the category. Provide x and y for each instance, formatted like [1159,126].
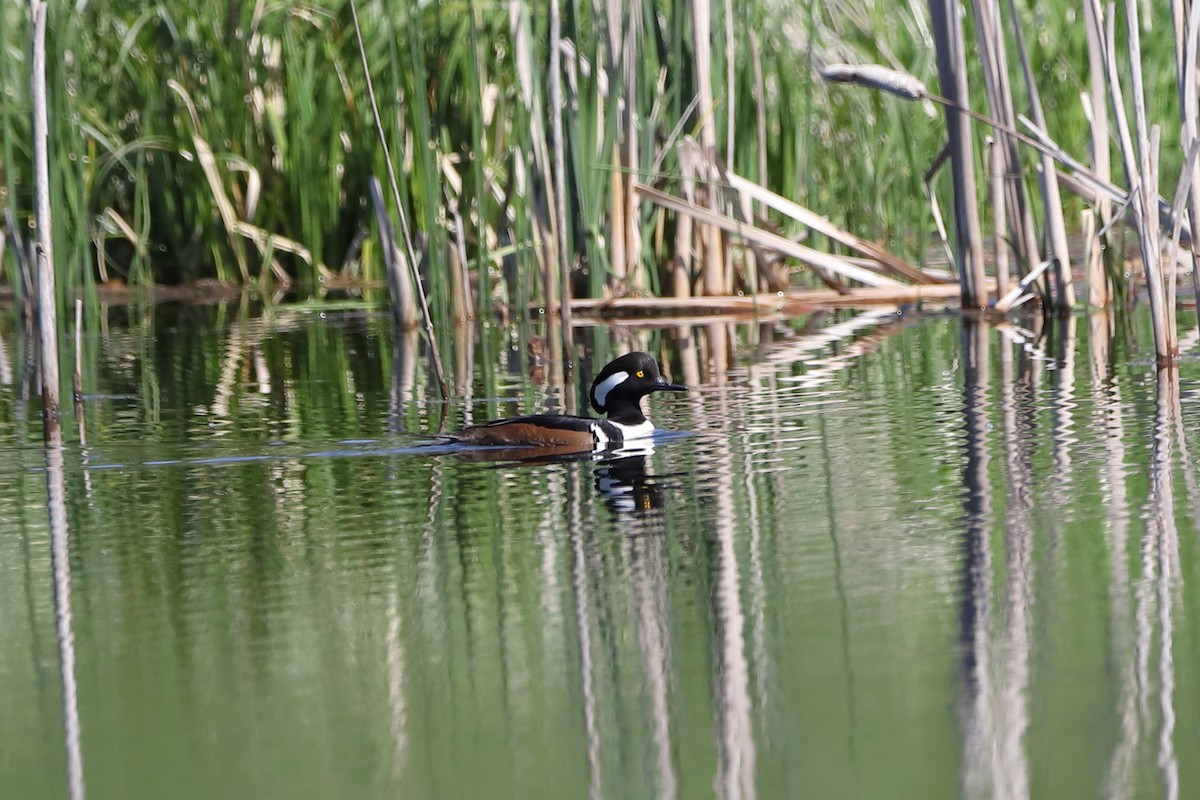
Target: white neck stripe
[639,431]
[601,389]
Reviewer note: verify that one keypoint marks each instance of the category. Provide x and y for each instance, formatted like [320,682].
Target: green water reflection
[889,558]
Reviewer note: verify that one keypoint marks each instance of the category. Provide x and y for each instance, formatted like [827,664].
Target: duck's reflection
[625,482]
[622,474]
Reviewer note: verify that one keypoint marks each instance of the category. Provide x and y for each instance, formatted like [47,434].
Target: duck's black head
[621,385]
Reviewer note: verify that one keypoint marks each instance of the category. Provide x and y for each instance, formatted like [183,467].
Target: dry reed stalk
[77,378]
[760,118]
[1064,296]
[21,255]
[625,246]
[1088,185]
[430,336]
[893,264]
[617,212]
[683,261]
[617,218]
[629,145]
[730,87]
[760,108]
[126,230]
[1020,293]
[1158,281]
[785,303]
[458,268]
[51,421]
[47,308]
[1096,277]
[1000,241]
[1099,290]
[208,165]
[717,178]
[1096,106]
[77,386]
[1147,155]
[935,209]
[464,307]
[1133,172]
[774,241]
[1017,216]
[236,228]
[404,306]
[1182,191]
[556,266]
[952,75]
[713,272]
[1079,179]
[563,277]
[745,213]
[547,238]
[1190,108]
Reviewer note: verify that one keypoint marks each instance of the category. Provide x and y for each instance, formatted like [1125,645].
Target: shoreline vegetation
[535,158]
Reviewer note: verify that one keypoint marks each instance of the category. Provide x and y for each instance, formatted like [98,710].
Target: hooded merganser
[617,391]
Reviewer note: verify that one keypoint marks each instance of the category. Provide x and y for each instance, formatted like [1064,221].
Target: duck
[616,392]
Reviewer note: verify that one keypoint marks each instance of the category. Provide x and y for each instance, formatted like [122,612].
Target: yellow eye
[641,374]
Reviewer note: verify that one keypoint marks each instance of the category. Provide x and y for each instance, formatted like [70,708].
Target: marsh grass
[280,99]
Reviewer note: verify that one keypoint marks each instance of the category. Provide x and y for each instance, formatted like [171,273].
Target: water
[866,563]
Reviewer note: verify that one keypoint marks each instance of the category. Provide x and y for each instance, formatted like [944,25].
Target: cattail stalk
[47,307]
[952,75]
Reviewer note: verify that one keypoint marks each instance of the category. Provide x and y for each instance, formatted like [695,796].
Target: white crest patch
[601,390]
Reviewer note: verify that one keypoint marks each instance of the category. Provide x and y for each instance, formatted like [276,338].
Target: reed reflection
[640,621]
[1064,405]
[63,617]
[404,369]
[6,370]
[1106,395]
[648,565]
[996,639]
[397,699]
[735,711]
[1160,571]
[581,567]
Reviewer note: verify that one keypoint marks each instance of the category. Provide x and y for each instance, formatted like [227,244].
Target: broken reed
[1152,218]
[255,164]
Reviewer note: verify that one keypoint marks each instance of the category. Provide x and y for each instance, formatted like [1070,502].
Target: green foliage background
[281,99]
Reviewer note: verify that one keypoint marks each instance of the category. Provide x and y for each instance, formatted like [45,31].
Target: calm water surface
[878,557]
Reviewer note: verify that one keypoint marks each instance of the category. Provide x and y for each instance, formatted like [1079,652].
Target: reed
[1095,106]
[1056,230]
[946,21]
[401,299]
[563,301]
[255,165]
[1011,215]
[47,308]
[1187,42]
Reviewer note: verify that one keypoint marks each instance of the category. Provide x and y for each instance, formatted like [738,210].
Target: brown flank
[523,433]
